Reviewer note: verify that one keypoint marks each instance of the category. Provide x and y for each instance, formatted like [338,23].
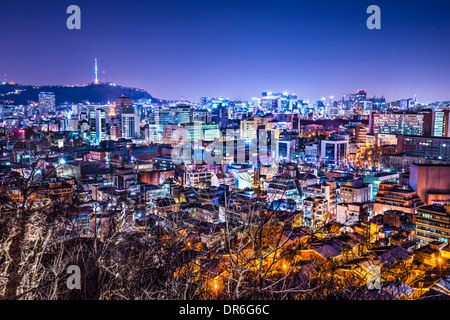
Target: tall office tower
[100,125]
[130,126]
[91,114]
[269,101]
[223,116]
[47,102]
[319,107]
[441,123]
[348,101]
[405,104]
[123,104]
[114,123]
[361,95]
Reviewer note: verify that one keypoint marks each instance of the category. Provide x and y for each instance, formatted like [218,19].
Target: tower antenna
[96,72]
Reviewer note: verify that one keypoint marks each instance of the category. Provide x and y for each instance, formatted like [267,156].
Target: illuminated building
[201,116]
[249,129]
[425,147]
[100,125]
[130,126]
[285,149]
[355,191]
[325,191]
[283,187]
[391,196]
[376,178]
[278,102]
[406,123]
[402,161]
[433,223]
[92,123]
[351,213]
[334,152]
[46,102]
[72,124]
[312,153]
[174,134]
[183,114]
[432,182]
[361,95]
[114,132]
[441,123]
[292,120]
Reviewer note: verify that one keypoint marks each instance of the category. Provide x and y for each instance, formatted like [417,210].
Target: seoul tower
[96,72]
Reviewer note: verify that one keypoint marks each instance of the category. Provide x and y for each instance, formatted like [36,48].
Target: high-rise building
[124,104]
[126,119]
[441,123]
[361,95]
[91,113]
[100,125]
[47,102]
[130,126]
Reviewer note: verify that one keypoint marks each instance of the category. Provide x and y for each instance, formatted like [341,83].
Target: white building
[334,152]
[130,126]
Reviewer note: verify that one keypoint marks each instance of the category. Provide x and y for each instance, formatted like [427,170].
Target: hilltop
[13,93]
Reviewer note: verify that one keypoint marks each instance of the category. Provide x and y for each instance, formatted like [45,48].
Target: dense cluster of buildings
[369,167]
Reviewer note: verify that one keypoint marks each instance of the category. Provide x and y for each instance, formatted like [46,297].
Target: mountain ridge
[19,94]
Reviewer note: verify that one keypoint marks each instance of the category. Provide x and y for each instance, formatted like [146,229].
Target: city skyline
[234,152]
[234,50]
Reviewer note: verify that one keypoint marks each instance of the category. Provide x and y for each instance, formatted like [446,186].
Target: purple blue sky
[233,48]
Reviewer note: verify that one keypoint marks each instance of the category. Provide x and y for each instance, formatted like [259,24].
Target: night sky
[233,48]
